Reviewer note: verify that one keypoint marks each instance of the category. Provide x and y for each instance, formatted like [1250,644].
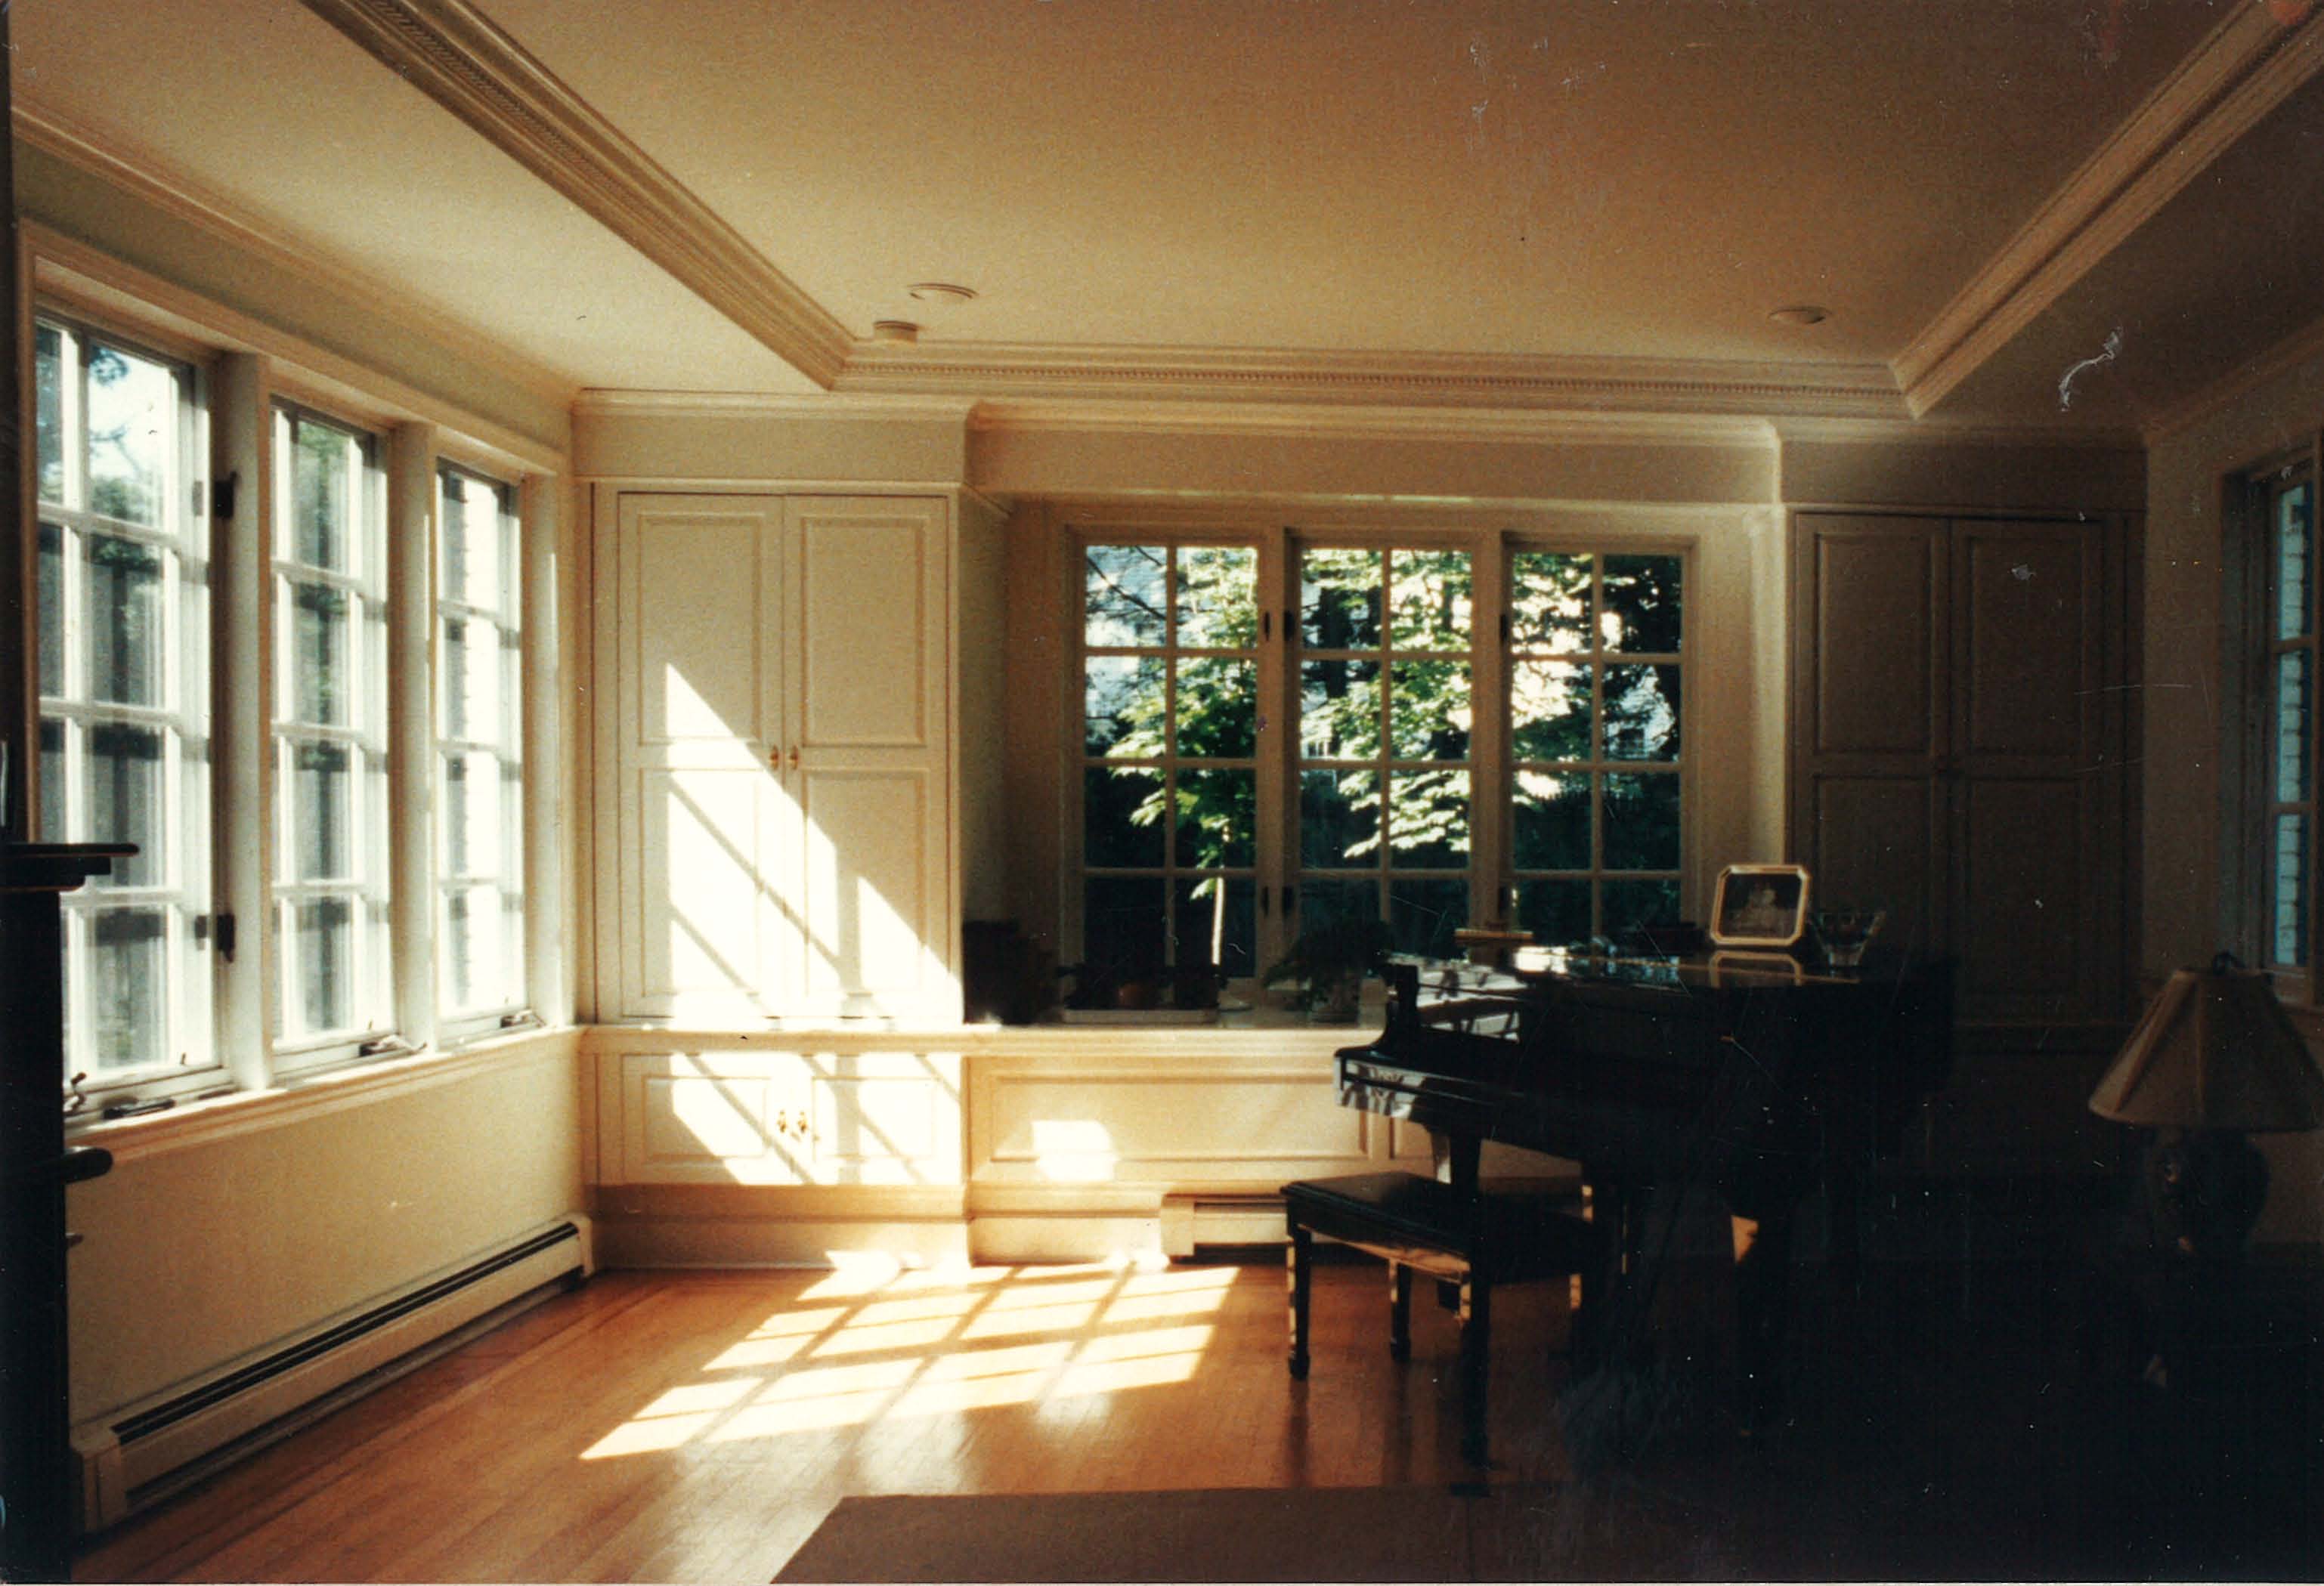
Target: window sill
[298,1099]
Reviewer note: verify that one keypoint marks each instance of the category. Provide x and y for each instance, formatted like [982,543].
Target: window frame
[373,794]
[457,1024]
[184,717]
[1491,764]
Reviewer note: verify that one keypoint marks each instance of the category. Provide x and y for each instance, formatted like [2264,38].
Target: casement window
[125,738]
[331,879]
[348,763]
[479,750]
[1473,726]
[2278,901]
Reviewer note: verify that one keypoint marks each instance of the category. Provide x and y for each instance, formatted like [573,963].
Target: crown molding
[1315,421]
[2278,361]
[1945,432]
[998,371]
[105,156]
[2245,68]
[459,58]
[609,402]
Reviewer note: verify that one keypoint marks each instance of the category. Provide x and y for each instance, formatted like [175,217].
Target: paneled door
[705,825]
[1956,732]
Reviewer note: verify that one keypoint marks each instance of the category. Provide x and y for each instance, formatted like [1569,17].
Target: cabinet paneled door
[1958,731]
[779,757]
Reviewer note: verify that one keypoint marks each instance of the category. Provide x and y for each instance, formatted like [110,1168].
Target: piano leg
[1399,1311]
[1476,1351]
[1762,1255]
[1296,1256]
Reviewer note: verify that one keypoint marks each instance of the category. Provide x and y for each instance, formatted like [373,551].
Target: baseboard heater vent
[122,1454]
[1189,1223]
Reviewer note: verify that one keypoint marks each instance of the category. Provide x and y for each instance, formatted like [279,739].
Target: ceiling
[1583,204]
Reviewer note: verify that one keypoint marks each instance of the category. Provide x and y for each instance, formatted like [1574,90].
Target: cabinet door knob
[794,757]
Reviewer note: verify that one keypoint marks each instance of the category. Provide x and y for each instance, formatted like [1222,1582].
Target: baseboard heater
[1192,1221]
[122,1455]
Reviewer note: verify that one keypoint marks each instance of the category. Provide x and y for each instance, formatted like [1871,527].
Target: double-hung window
[479,750]
[124,736]
[1470,725]
[2280,602]
[331,887]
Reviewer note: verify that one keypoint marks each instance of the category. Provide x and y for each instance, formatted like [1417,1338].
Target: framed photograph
[1760,906]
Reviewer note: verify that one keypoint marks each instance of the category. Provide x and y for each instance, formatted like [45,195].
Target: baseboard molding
[126,1456]
[651,1241]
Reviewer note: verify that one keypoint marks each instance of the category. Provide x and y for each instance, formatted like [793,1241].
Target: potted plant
[1330,962]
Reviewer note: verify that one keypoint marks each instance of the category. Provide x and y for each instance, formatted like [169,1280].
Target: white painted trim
[998,370]
[601,399]
[2298,348]
[1944,432]
[256,1112]
[2247,66]
[457,56]
[1537,427]
[71,271]
[142,175]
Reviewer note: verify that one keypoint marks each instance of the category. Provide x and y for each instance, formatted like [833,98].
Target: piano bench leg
[1399,1311]
[1295,1258]
[1476,1346]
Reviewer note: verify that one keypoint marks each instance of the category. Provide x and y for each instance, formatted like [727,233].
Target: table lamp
[2213,1060]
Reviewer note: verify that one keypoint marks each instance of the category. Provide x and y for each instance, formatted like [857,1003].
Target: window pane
[1323,902]
[1214,924]
[2292,691]
[53,828]
[1549,710]
[1428,710]
[1218,819]
[127,636]
[1428,820]
[1339,709]
[322,944]
[1642,713]
[1340,599]
[322,680]
[1557,913]
[53,610]
[2293,571]
[1552,821]
[1218,596]
[472,657]
[48,378]
[132,425]
[1640,903]
[1123,704]
[1124,930]
[127,803]
[1429,599]
[1549,600]
[1127,594]
[1218,708]
[1121,816]
[322,812]
[477,832]
[2290,924]
[1338,819]
[476,528]
[1642,605]
[482,948]
[129,967]
[1641,823]
[322,499]
[1421,916]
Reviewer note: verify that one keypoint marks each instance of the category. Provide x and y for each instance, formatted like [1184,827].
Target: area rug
[1260,1534]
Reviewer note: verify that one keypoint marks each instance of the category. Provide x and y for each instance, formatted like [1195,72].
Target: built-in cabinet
[1960,730]
[775,758]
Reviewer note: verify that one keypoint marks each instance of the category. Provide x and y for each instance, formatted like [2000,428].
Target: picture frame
[1760,906]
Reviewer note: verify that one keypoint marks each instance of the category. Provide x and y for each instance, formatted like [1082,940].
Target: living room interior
[736,638]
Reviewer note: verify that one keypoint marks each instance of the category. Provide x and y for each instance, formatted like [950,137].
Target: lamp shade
[2214,1051]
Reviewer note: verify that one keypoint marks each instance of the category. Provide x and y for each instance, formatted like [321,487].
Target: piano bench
[1471,1241]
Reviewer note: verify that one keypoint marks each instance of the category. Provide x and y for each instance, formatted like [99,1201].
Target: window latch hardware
[389,1044]
[216,926]
[222,495]
[74,1098]
[522,1019]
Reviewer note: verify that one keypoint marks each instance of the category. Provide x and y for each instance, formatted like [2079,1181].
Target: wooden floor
[679,1426]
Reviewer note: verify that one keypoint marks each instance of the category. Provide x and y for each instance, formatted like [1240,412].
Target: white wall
[2185,712]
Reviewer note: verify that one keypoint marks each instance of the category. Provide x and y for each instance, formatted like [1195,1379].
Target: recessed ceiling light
[1801,314]
[896,330]
[939,293]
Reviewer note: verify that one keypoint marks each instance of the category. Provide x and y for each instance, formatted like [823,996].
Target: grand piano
[1755,1079]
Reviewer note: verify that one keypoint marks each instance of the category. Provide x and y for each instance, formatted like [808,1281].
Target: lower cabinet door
[789,1118]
